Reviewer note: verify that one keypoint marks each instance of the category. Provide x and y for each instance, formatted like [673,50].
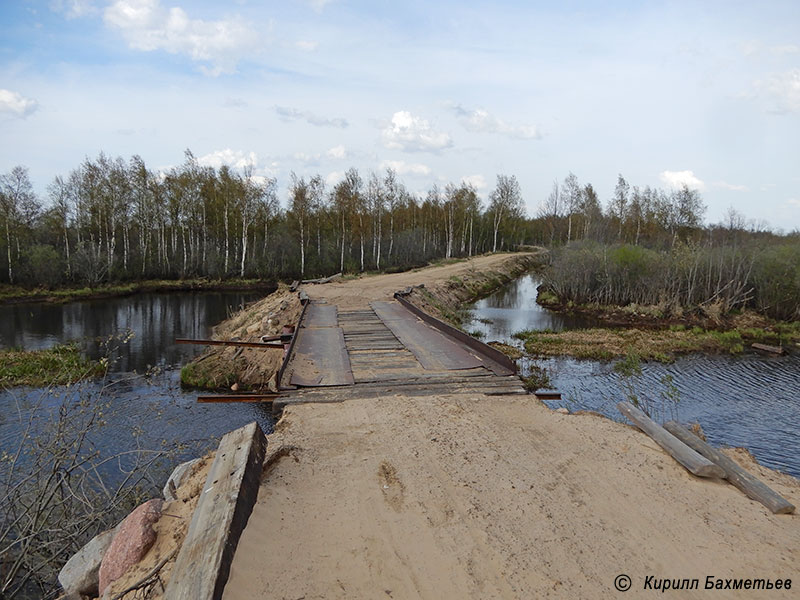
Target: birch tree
[505,200]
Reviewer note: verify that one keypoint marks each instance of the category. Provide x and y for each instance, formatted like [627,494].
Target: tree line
[115,219]
[112,219]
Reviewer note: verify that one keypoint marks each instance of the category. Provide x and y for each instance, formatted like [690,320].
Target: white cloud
[476,181]
[306,45]
[782,91]
[337,152]
[148,26]
[73,9]
[16,104]
[413,134]
[793,203]
[481,121]
[731,186]
[289,114]
[403,168]
[233,158]
[334,177]
[678,179]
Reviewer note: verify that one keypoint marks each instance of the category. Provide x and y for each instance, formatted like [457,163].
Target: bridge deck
[383,350]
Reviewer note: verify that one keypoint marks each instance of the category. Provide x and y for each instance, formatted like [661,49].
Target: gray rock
[563,410]
[180,474]
[81,574]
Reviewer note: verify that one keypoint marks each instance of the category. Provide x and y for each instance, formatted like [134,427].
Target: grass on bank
[649,344]
[211,372]
[59,365]
[12,293]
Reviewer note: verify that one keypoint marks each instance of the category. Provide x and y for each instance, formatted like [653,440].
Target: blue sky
[703,93]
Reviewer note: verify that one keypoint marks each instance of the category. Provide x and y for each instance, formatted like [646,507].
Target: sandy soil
[249,368]
[476,497]
[359,292]
[170,531]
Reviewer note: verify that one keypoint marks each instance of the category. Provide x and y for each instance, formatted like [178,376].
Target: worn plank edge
[204,561]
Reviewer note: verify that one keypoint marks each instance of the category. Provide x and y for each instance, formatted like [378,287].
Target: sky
[702,93]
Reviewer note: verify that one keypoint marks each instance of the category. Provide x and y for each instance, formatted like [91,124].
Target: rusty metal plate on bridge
[321,315]
[320,358]
[431,348]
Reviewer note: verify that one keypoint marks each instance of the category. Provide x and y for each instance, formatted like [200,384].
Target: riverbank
[653,332]
[15,294]
[663,345]
[60,365]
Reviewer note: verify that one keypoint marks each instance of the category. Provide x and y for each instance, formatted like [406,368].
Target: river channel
[146,406]
[750,400]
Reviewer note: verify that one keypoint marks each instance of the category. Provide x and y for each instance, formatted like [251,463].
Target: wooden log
[691,460]
[203,564]
[768,348]
[752,487]
[294,286]
[323,279]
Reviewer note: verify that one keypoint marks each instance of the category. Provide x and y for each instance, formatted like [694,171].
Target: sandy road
[471,497]
[361,291]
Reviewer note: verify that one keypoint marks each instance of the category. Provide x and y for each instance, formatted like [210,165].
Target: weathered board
[321,315]
[752,487]
[203,564]
[691,460]
[320,358]
[431,348]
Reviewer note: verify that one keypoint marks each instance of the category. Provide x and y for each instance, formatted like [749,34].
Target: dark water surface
[155,319]
[146,411]
[750,400]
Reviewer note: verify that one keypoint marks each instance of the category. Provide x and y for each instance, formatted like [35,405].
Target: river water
[146,407]
[750,400]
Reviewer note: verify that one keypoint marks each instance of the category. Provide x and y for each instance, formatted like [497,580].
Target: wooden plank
[203,564]
[691,460]
[288,355]
[431,348]
[320,358]
[321,315]
[768,348]
[752,487]
[495,360]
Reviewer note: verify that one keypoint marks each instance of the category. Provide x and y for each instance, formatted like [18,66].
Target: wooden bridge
[386,348]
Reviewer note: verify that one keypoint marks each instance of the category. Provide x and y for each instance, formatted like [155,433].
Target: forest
[111,219]
[114,220]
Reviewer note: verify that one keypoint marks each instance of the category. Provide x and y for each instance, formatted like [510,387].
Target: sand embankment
[478,497]
[471,496]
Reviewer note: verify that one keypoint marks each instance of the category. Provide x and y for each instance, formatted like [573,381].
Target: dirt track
[470,496]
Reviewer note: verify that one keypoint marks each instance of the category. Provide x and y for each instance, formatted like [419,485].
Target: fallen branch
[148,579]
